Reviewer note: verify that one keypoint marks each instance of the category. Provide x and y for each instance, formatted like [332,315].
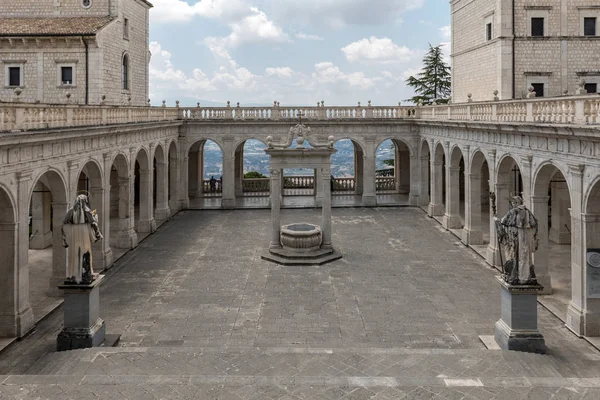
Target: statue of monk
[517,234]
[79,230]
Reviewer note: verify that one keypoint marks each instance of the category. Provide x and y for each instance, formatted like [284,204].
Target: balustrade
[579,110]
[258,185]
[208,191]
[385,183]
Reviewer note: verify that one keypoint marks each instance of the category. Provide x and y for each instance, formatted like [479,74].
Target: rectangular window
[589,26]
[126,29]
[488,31]
[66,75]
[591,87]
[14,76]
[537,26]
[538,88]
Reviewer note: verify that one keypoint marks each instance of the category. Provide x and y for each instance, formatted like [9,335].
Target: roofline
[78,35]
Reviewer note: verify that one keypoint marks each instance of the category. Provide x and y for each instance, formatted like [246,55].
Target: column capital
[590,217]
[526,160]
[453,169]
[540,199]
[23,176]
[492,153]
[576,169]
[72,165]
[473,176]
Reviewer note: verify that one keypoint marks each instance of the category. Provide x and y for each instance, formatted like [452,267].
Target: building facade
[511,45]
[86,52]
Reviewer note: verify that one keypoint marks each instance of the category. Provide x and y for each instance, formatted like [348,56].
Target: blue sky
[297,52]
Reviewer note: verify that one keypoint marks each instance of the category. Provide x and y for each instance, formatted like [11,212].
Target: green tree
[253,175]
[432,84]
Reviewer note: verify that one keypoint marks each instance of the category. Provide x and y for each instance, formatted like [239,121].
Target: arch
[506,163]
[159,153]
[592,197]
[544,174]
[8,264]
[395,177]
[425,146]
[196,185]
[456,154]
[97,171]
[143,153]
[355,141]
[440,152]
[8,211]
[242,142]
[173,195]
[477,200]
[196,143]
[425,165]
[396,142]
[121,234]
[55,180]
[477,160]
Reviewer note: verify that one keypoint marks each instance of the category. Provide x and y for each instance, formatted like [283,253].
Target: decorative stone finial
[331,141]
[322,103]
[531,93]
[228,104]
[420,103]
[238,104]
[277,104]
[198,104]
[496,98]
[270,142]
[581,87]
[470,97]
[566,92]
[18,91]
[149,101]
[359,103]
[164,103]
[177,103]
[369,104]
[274,103]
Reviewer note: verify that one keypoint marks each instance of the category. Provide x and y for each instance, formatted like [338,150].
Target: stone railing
[344,184]
[256,185]
[206,189]
[580,110]
[385,183]
[299,182]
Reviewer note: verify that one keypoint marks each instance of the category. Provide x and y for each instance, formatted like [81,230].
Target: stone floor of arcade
[203,317]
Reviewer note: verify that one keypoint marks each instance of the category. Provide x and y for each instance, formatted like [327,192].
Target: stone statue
[517,235]
[80,228]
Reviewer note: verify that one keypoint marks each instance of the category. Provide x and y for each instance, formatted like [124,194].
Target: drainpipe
[87,71]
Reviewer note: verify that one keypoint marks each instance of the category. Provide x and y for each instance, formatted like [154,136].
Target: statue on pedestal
[517,236]
[79,230]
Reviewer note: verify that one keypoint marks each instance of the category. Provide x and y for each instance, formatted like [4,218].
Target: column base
[127,239]
[546,282]
[493,256]
[559,237]
[472,237]
[184,204]
[435,210]
[147,226]
[162,214]
[413,199]
[228,204]
[582,322]
[17,325]
[452,222]
[369,200]
[41,241]
[108,259]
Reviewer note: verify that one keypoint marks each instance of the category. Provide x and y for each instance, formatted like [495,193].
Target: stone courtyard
[203,317]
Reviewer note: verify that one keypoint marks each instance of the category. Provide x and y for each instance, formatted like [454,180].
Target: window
[537,26]
[538,88]
[66,75]
[589,26]
[125,72]
[126,29]
[591,87]
[14,76]
[86,3]
[488,31]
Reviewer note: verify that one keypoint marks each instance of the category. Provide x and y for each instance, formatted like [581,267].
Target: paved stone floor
[203,317]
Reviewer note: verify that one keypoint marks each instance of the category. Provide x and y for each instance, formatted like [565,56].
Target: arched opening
[347,168]
[173,178]
[425,164]
[47,255]
[125,72]
[8,267]
[90,183]
[477,204]
[392,173]
[122,235]
[205,174]
[455,191]
[551,202]
[143,205]
[438,183]
[586,296]
[251,169]
[160,190]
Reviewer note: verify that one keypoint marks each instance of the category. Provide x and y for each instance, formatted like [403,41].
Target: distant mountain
[255,159]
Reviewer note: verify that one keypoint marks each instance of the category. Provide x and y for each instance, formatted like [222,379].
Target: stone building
[86,52]
[511,45]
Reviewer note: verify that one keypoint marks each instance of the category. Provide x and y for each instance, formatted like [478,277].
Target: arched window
[125,72]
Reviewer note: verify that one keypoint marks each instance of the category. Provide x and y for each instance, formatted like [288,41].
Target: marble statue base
[517,328]
[83,326]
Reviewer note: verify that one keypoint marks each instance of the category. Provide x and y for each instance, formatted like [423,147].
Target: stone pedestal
[517,328]
[83,326]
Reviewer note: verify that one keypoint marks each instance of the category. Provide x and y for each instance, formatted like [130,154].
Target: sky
[296,52]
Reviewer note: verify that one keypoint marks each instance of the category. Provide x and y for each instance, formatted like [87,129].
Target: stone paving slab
[203,317]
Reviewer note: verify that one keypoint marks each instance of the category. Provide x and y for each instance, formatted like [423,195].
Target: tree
[253,175]
[432,84]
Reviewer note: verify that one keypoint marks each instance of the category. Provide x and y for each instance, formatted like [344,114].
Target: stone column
[10,286]
[397,170]
[539,208]
[59,253]
[96,199]
[561,218]
[414,181]
[369,197]
[425,185]
[162,195]
[104,212]
[40,218]
[146,223]
[502,202]
[199,175]
[472,233]
[358,172]
[276,184]
[239,172]
[436,207]
[318,191]
[452,218]
[228,201]
[174,184]
[21,317]
[403,177]
[183,196]
[127,238]
[326,211]
[195,189]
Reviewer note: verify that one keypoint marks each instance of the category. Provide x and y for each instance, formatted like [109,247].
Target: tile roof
[50,26]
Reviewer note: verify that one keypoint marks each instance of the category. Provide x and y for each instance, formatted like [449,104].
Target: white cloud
[381,50]
[304,36]
[340,13]
[446,33]
[446,44]
[282,72]
[327,72]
